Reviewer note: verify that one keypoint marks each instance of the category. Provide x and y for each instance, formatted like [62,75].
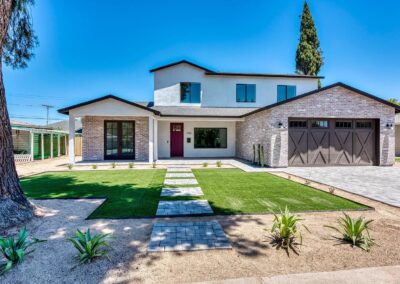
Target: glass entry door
[119,140]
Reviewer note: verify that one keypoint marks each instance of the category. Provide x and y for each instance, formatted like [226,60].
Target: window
[190,92]
[298,123]
[343,124]
[245,93]
[210,138]
[364,124]
[319,123]
[286,92]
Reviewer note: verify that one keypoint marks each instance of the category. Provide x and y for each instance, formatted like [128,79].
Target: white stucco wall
[220,91]
[189,150]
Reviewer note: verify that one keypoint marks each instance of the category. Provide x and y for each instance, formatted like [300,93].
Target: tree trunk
[14,207]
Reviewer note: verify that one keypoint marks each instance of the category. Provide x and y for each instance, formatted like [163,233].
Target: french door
[119,140]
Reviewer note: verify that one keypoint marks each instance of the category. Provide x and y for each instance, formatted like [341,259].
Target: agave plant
[285,229]
[355,231]
[15,250]
[88,246]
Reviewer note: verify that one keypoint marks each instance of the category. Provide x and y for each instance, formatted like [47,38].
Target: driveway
[378,183]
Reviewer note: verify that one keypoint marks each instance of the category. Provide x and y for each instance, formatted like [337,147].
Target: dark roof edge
[338,84]
[263,75]
[67,109]
[180,62]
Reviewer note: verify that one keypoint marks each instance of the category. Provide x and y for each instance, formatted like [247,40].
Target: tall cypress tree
[309,54]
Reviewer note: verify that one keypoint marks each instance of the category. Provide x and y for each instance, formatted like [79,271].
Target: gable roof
[180,62]
[339,84]
[138,105]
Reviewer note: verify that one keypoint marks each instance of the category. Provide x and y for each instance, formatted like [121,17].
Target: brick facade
[338,102]
[93,137]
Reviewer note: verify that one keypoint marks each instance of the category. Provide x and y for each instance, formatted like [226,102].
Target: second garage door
[324,142]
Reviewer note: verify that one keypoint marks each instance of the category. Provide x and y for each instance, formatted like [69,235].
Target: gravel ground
[252,254]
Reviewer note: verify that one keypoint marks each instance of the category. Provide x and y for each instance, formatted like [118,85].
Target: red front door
[176,139]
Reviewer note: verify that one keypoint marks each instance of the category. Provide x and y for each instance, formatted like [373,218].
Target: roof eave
[263,75]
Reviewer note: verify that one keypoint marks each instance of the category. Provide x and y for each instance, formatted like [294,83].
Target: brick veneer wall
[338,102]
[93,137]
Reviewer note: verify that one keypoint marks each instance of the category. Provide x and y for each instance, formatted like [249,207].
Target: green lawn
[135,193]
[398,159]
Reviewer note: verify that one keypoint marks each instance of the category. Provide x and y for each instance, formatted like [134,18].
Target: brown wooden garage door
[328,142]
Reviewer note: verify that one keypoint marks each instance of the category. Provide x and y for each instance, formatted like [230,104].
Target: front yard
[136,193]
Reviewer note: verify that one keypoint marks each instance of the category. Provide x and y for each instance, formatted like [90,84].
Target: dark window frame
[298,123]
[190,95]
[343,124]
[318,126]
[286,92]
[247,100]
[195,145]
[119,154]
[364,124]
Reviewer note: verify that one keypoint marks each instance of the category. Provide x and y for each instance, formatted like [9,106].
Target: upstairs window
[245,93]
[286,92]
[190,93]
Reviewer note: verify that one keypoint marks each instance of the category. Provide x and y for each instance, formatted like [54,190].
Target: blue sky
[95,47]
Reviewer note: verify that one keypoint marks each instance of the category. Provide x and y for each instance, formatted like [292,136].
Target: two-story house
[201,113]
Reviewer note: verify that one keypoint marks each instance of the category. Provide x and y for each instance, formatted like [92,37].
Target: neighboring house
[35,142]
[397,134]
[200,113]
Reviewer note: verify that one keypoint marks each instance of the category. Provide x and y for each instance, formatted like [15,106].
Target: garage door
[329,142]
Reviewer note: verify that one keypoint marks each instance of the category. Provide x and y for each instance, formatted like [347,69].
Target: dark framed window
[319,124]
[285,92]
[298,123]
[363,124]
[210,138]
[190,92]
[245,93]
[343,124]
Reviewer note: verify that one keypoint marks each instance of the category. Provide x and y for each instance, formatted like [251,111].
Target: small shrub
[113,165]
[88,246]
[130,165]
[154,165]
[14,251]
[205,165]
[355,231]
[94,167]
[70,166]
[331,190]
[285,230]
[219,164]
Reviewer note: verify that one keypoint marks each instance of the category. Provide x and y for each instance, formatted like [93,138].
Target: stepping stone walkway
[179,175]
[181,191]
[187,236]
[183,207]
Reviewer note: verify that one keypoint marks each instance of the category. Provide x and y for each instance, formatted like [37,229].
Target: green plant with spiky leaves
[285,230]
[355,231]
[88,246]
[15,250]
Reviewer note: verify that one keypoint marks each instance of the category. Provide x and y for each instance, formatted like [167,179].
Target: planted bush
[205,164]
[285,230]
[113,165]
[130,165]
[94,167]
[70,166]
[89,247]
[15,250]
[219,164]
[355,231]
[154,165]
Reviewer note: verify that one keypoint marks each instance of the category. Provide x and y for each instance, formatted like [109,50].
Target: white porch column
[155,138]
[51,145]
[58,145]
[71,137]
[42,144]
[151,139]
[32,137]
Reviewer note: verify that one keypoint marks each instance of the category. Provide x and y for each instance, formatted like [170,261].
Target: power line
[48,107]
[34,117]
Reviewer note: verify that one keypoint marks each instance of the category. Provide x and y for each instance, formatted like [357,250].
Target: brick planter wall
[338,102]
[93,137]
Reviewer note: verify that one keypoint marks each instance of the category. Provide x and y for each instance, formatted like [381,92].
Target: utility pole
[48,107]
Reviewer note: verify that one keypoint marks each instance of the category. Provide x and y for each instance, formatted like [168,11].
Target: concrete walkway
[372,275]
[378,183]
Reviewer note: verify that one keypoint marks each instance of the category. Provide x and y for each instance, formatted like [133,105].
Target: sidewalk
[40,166]
[372,275]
